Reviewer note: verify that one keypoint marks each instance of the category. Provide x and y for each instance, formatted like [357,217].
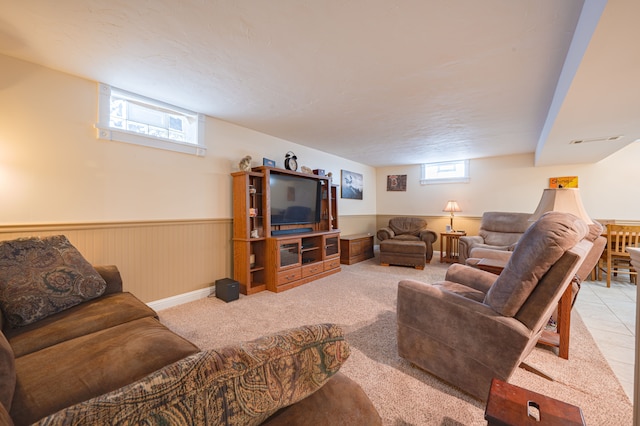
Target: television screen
[294,199]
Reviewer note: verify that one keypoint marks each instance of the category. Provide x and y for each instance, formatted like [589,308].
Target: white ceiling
[380,82]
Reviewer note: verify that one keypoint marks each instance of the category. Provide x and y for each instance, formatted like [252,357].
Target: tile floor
[610,316]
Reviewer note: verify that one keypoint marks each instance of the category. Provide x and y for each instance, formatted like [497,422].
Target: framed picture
[563,182]
[396,182]
[351,185]
[267,162]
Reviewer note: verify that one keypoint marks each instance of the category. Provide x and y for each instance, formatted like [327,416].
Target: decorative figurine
[245,164]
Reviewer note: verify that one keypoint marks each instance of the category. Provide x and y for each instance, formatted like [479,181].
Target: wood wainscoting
[157,259]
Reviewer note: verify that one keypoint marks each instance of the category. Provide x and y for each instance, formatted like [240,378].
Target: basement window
[445,172]
[126,117]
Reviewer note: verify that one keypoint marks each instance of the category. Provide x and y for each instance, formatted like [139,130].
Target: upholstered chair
[586,270]
[475,325]
[498,231]
[409,229]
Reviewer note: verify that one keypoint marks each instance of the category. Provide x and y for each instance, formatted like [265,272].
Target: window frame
[106,132]
[424,180]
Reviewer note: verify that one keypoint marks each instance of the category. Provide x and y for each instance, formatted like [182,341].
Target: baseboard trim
[180,299]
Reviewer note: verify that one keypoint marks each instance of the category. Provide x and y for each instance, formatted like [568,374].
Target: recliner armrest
[428,236]
[470,277]
[385,234]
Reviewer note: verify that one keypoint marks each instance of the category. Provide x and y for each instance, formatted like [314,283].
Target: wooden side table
[510,405]
[449,246]
[355,248]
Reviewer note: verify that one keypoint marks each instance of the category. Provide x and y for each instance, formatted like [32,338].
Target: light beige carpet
[362,298]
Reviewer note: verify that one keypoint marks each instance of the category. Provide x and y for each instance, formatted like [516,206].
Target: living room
[165,219]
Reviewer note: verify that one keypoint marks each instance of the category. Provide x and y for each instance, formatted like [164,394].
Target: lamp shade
[452,206]
[566,200]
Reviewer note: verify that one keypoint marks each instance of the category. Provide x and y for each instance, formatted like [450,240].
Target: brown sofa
[474,325]
[498,231]
[406,229]
[76,349]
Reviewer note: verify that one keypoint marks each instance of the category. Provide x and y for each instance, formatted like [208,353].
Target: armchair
[475,325]
[409,229]
[498,231]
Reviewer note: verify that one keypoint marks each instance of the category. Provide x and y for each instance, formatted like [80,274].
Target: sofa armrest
[385,234]
[111,275]
[470,277]
[488,253]
[465,244]
[239,384]
[428,236]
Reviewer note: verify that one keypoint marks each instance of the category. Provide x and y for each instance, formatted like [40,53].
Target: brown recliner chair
[498,231]
[405,231]
[474,325]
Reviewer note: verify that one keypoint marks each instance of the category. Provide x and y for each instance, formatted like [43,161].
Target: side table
[510,405]
[449,246]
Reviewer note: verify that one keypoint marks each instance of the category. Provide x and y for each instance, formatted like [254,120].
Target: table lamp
[566,200]
[452,206]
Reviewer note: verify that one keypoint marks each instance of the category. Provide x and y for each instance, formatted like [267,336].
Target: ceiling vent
[605,139]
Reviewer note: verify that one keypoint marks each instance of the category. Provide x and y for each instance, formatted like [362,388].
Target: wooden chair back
[618,260]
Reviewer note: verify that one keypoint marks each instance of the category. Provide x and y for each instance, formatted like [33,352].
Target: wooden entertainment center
[277,256]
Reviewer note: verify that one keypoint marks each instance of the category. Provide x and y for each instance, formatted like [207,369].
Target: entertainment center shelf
[285,229]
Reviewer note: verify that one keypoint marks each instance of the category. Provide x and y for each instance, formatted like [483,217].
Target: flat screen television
[294,199]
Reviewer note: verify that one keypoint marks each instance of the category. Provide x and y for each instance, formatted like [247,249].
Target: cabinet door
[289,253]
[331,246]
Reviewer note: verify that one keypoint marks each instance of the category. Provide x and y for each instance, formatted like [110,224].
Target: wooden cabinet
[249,226]
[356,248]
[276,256]
[295,261]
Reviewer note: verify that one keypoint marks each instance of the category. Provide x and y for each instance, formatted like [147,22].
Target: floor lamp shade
[566,200]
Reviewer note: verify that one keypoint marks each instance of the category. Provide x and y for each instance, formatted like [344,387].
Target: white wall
[53,169]
[608,188]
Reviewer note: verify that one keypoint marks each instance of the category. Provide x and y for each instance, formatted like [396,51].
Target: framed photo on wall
[351,185]
[396,182]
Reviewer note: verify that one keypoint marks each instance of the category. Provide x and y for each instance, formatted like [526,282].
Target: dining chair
[615,259]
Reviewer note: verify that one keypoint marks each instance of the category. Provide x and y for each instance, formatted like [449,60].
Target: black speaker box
[227,289]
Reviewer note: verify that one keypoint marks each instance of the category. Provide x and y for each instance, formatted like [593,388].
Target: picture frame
[563,182]
[396,182]
[352,185]
[267,162]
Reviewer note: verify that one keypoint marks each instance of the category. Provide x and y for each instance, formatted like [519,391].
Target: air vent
[605,139]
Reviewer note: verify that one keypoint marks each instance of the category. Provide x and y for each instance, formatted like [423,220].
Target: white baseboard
[179,299]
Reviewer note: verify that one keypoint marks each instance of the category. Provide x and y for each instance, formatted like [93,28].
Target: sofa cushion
[80,320]
[39,277]
[407,225]
[79,369]
[242,384]
[7,373]
[539,248]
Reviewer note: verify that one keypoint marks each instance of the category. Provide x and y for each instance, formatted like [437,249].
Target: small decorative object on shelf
[245,164]
[268,163]
[307,170]
[291,161]
[254,233]
[319,172]
[252,189]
